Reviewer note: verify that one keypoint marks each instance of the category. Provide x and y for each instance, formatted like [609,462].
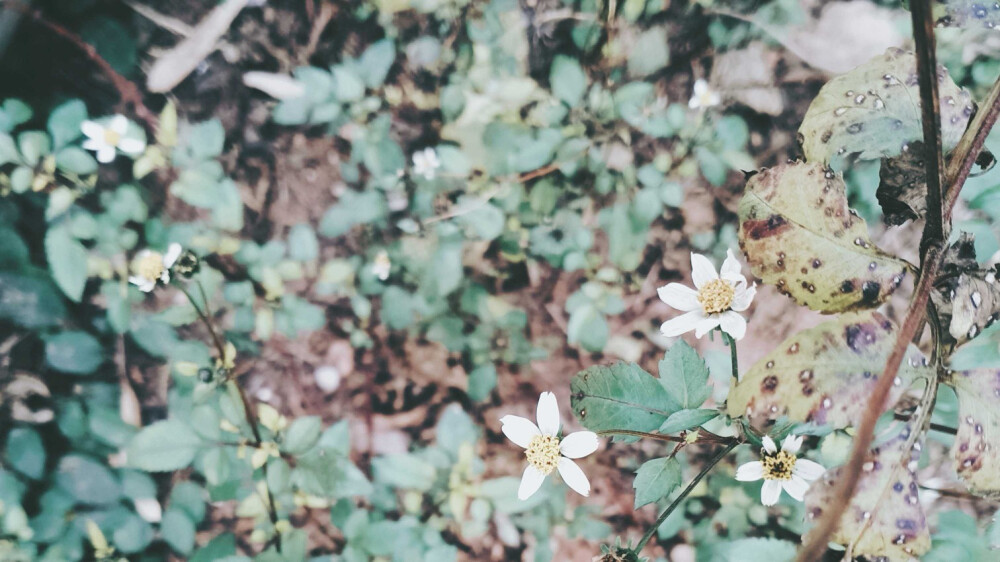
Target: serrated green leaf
[884,517]
[873,111]
[656,479]
[164,446]
[687,419]
[824,374]
[684,376]
[976,450]
[800,236]
[619,396]
[302,435]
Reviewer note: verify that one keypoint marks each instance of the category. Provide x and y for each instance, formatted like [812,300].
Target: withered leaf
[976,451]
[872,112]
[884,520]
[902,188]
[967,297]
[800,236]
[824,374]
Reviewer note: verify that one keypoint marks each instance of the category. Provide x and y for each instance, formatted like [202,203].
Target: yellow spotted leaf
[800,236]
[884,520]
[976,451]
[824,374]
[873,112]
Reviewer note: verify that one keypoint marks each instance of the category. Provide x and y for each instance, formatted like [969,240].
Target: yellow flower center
[149,265]
[778,466]
[543,453]
[111,137]
[716,296]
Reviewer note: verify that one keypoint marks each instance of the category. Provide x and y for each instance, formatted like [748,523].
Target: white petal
[770,492]
[574,477]
[131,146]
[144,285]
[700,87]
[714,98]
[93,144]
[807,469]
[706,325]
[430,155]
[791,443]
[682,324]
[105,154]
[679,296]
[547,414]
[519,430]
[92,130]
[118,124]
[769,444]
[750,471]
[733,324]
[419,162]
[702,270]
[173,252]
[742,298]
[730,268]
[796,487]
[531,481]
[578,444]
[693,103]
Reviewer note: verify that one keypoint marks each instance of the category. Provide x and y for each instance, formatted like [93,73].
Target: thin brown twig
[128,92]
[935,229]
[970,146]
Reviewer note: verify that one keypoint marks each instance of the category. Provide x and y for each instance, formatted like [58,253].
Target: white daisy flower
[426,163]
[781,470]
[107,140]
[714,302]
[150,267]
[703,96]
[545,451]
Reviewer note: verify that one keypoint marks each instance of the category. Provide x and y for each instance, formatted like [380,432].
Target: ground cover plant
[439,280]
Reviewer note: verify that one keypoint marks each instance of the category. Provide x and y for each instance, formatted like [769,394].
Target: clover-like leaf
[799,235]
[873,112]
[824,374]
[967,13]
[884,520]
[976,451]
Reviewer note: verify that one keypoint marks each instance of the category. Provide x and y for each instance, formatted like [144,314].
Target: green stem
[703,436]
[677,501]
[732,354]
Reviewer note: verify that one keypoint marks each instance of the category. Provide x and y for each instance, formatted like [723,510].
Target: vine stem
[677,501]
[703,436]
[932,243]
[731,342]
[248,409]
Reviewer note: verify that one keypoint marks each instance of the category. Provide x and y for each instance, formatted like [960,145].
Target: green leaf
[220,548]
[754,550]
[569,81]
[65,120]
[30,301]
[325,472]
[588,328]
[206,140]
[113,42]
[25,452]
[884,518]
[74,352]
[684,376]
[133,535]
[976,450]
[800,236]
[650,53]
[13,113]
[178,530]
[376,61]
[482,381]
[8,150]
[302,435]
[656,479]
[347,84]
[405,471]
[825,374]
[164,446]
[76,161]
[190,498]
[687,419]
[67,260]
[302,243]
[620,396]
[872,111]
[87,480]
